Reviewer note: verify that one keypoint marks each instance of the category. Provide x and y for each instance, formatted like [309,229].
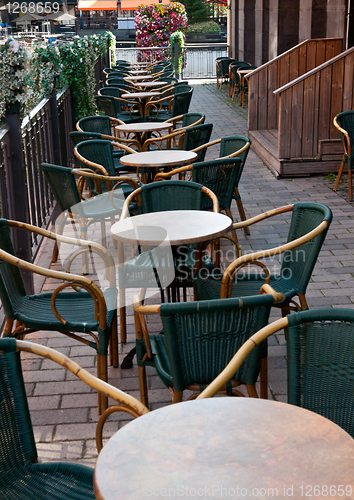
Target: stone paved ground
[64,410]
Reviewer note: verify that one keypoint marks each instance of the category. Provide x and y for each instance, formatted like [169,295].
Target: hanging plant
[179,38]
[112,47]
[14,76]
[154,24]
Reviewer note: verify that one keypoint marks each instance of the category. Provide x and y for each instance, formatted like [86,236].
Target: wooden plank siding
[309,104]
[279,72]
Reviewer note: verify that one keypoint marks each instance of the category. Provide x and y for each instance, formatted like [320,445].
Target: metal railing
[200,57]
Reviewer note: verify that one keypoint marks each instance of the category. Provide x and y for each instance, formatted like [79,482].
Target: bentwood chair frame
[311,242]
[242,152]
[346,132]
[194,331]
[320,360]
[137,194]
[21,476]
[87,124]
[19,321]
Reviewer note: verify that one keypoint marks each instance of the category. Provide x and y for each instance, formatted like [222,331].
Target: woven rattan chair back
[197,136]
[231,144]
[98,124]
[221,176]
[107,105]
[181,103]
[77,137]
[190,118]
[298,264]
[171,195]
[111,91]
[98,151]
[12,288]
[63,185]
[320,356]
[201,338]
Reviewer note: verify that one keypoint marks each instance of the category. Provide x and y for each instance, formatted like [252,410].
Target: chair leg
[102,373]
[233,232]
[264,378]
[177,396]
[252,391]
[350,181]
[123,324]
[241,210]
[143,386]
[339,174]
[61,223]
[113,345]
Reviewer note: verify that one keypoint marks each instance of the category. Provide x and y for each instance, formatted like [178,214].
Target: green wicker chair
[230,147]
[105,126]
[157,197]
[320,362]
[307,231]
[234,79]
[99,154]
[197,342]
[86,212]
[344,122]
[179,105]
[21,478]
[197,136]
[87,311]
[222,70]
[244,83]
[112,106]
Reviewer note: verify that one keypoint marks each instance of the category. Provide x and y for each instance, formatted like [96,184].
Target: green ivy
[112,47]
[177,37]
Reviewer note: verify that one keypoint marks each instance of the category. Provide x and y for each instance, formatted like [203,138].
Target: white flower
[14,45]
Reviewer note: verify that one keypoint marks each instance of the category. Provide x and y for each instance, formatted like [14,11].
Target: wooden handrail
[313,71]
[268,63]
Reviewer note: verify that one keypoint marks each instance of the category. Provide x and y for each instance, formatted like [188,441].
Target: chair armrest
[131,405]
[239,151]
[167,175]
[140,324]
[168,137]
[226,281]
[345,138]
[204,146]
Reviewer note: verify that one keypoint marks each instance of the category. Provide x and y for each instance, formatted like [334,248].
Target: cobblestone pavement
[64,410]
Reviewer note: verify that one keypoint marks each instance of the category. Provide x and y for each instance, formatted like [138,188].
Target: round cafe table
[138,77]
[148,85]
[143,131]
[143,96]
[166,158]
[227,448]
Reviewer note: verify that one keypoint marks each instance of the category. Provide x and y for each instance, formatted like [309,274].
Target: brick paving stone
[65,410]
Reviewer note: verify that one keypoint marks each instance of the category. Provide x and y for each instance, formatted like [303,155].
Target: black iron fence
[200,61]
[43,136]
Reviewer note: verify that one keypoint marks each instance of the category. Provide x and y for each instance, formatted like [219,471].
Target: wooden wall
[263,103]
[308,104]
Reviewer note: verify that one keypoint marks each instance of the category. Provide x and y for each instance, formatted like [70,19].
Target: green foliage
[197,10]
[178,37]
[206,27]
[112,47]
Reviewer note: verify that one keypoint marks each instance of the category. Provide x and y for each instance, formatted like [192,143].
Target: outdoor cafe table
[143,96]
[167,158]
[148,84]
[142,131]
[227,448]
[138,77]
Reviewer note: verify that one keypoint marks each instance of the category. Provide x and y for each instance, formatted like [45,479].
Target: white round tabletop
[139,77]
[163,158]
[227,448]
[142,95]
[176,227]
[149,84]
[144,127]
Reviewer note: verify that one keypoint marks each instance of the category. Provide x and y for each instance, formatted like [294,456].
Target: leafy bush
[207,27]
